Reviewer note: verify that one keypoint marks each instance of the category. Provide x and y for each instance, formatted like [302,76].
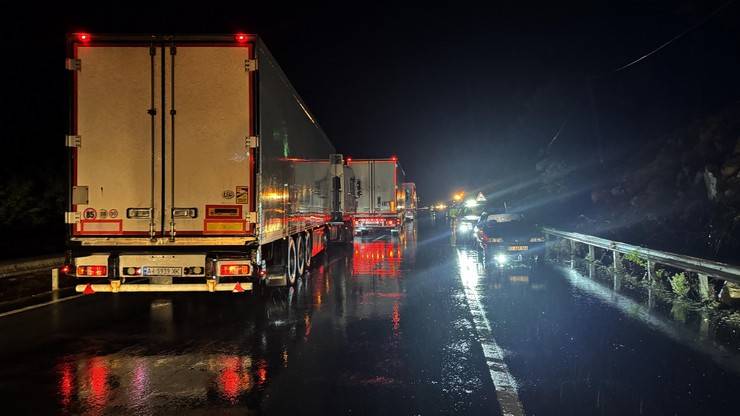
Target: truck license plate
[518,248]
[161,271]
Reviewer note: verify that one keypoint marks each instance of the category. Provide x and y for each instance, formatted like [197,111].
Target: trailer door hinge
[73,64]
[253,142]
[71,217]
[252,217]
[250,65]
[73,141]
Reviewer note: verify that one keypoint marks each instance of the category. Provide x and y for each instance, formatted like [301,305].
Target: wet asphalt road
[391,325]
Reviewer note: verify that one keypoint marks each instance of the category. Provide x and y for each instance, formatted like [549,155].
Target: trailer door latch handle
[72,217]
[73,141]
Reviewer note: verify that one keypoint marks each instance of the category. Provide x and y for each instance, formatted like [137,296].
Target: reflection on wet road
[389,325]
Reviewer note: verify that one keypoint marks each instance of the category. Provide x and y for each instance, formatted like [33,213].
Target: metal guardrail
[23,266]
[692,264]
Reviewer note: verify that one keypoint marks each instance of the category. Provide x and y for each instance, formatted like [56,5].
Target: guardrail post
[703,286]
[591,253]
[650,267]
[704,325]
[547,246]
[572,247]
[618,266]
[54,279]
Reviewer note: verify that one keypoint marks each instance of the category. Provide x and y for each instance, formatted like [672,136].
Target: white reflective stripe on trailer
[164,242]
[182,287]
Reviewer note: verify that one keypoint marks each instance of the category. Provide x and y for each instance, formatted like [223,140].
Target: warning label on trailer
[242,194]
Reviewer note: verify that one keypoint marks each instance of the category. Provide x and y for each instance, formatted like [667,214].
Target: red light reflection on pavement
[377,258]
[307,322]
[261,372]
[396,319]
[233,379]
[66,384]
[97,382]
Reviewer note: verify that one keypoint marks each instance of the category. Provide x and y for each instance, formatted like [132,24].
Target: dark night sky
[465,95]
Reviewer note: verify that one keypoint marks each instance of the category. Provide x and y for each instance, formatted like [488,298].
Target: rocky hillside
[680,192]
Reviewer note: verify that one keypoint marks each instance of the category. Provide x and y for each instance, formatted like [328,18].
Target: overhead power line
[675,38]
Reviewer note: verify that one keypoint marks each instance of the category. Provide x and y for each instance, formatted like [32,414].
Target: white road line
[506,387]
[40,305]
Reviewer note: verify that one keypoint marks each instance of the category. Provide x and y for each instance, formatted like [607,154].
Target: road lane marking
[504,383]
[40,305]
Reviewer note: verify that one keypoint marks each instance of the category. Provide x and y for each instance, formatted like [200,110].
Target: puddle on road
[187,354]
[697,326]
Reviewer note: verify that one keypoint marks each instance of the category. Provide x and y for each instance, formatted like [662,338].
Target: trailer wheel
[290,263]
[309,248]
[300,254]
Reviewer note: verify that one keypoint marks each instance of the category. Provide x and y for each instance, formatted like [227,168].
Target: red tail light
[241,37]
[92,271]
[234,270]
[65,269]
[83,37]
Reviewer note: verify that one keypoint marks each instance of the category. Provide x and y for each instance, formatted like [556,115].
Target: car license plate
[518,248]
[161,271]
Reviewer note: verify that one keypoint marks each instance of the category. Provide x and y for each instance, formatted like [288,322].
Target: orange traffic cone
[88,290]
[238,288]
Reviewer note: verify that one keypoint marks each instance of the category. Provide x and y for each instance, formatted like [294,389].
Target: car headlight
[537,240]
[501,258]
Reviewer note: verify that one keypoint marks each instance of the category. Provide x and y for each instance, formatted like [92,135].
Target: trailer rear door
[212,158]
[114,167]
[384,183]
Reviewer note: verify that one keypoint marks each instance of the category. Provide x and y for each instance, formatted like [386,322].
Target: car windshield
[508,228]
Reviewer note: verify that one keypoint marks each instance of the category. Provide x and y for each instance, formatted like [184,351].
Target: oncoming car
[509,239]
[465,222]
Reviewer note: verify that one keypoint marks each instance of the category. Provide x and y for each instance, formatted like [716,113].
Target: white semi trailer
[187,166]
[381,201]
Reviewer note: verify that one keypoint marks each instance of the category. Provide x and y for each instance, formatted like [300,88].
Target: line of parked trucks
[195,166]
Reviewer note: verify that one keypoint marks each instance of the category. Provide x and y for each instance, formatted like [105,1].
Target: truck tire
[290,263]
[309,249]
[300,248]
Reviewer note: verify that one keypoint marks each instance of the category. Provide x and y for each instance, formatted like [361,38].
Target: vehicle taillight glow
[92,271]
[83,37]
[65,269]
[234,269]
[241,37]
